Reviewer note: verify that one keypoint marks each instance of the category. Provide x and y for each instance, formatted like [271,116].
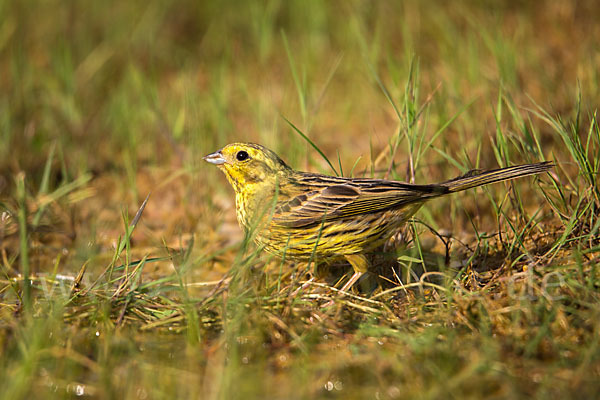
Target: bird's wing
[348,199]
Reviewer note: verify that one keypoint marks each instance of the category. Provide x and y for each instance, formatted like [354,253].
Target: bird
[311,217]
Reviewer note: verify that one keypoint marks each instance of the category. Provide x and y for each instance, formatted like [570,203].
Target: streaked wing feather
[314,206]
[343,200]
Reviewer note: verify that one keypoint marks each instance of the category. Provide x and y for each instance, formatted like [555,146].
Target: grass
[490,293]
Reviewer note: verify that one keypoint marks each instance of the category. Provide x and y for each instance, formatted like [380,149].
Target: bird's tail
[479,178]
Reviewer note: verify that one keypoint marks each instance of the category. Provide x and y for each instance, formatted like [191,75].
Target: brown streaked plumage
[326,218]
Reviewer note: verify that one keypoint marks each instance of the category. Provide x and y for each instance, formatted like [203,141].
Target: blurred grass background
[102,103]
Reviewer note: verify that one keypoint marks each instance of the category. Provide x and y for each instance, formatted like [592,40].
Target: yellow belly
[334,239]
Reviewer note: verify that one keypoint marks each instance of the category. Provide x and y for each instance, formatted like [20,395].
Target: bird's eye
[241,155]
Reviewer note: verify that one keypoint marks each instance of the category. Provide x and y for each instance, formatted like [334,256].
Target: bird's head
[248,165]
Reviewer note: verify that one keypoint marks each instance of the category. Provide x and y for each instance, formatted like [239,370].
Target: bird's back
[324,217]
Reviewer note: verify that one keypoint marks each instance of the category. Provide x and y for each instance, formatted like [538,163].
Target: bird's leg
[360,265]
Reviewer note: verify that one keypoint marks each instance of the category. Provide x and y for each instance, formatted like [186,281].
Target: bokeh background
[135,93]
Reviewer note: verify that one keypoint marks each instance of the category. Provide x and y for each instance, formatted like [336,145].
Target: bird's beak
[215,158]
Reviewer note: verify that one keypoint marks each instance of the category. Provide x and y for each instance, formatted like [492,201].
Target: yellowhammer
[323,218]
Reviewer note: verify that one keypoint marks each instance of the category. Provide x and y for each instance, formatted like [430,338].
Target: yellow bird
[322,218]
